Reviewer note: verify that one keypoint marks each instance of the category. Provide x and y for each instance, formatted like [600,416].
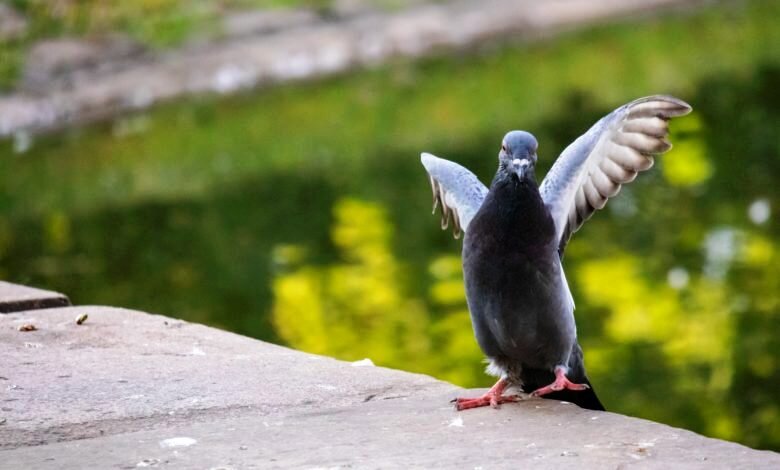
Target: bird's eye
[503,147]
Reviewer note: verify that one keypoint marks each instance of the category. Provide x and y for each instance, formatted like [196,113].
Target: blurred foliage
[301,214]
[356,308]
[187,150]
[153,23]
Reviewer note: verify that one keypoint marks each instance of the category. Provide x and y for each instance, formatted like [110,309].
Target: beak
[521,167]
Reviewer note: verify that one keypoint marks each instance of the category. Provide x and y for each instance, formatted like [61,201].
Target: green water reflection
[311,226]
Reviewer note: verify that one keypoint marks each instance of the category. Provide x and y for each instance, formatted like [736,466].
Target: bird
[515,235]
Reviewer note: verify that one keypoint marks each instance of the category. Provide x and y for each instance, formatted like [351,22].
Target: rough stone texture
[15,298]
[123,370]
[128,389]
[305,49]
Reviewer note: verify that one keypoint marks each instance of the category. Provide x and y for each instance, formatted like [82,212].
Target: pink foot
[485,400]
[561,383]
[493,398]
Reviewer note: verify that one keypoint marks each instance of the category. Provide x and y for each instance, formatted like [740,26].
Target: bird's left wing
[592,169]
[456,190]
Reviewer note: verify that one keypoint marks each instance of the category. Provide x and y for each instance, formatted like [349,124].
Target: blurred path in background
[73,80]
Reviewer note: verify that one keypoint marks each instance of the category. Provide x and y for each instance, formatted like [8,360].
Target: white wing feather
[595,166]
[456,190]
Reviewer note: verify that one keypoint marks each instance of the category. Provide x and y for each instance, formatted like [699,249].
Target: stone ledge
[128,389]
[123,371]
[15,298]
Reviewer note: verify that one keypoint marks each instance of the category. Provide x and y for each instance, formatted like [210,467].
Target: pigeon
[516,231]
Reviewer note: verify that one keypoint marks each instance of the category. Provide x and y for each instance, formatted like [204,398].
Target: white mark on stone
[646,444]
[363,363]
[456,422]
[530,446]
[594,418]
[565,403]
[177,442]
[635,457]
[326,387]
[148,463]
[196,351]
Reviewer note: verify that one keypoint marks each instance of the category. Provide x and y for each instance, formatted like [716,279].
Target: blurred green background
[300,214]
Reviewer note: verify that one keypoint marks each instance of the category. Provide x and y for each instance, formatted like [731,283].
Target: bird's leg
[560,383]
[493,397]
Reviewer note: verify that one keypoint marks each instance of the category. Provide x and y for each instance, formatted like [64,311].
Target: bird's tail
[582,398]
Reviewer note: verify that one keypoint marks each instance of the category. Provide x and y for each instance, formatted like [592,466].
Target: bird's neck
[521,209]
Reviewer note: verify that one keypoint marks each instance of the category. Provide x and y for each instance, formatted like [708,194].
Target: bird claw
[494,401]
[560,383]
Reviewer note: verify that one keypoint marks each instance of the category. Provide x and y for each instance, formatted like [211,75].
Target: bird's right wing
[612,152]
[456,190]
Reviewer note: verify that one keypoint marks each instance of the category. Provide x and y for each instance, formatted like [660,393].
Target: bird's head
[517,157]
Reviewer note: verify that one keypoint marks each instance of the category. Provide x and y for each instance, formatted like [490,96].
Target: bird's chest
[502,266]
[513,226]
[510,257]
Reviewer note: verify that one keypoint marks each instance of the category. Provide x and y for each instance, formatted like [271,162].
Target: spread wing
[456,190]
[592,169]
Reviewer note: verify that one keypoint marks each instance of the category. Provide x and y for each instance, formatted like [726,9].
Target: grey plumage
[456,190]
[593,168]
[515,234]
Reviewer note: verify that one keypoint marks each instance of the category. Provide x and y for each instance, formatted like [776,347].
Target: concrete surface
[131,390]
[15,298]
[304,46]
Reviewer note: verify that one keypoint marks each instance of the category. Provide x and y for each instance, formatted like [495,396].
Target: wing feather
[456,190]
[596,165]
